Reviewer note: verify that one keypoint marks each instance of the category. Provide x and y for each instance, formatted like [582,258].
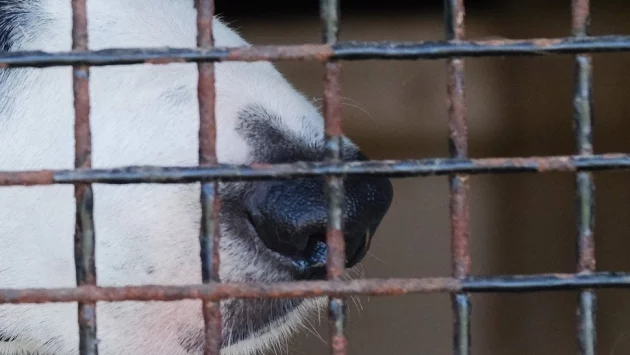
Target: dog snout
[291,217]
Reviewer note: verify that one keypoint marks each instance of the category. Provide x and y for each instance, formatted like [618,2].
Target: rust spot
[546,42]
[27,178]
[332,101]
[558,164]
[339,344]
[164,60]
[318,52]
[336,253]
[587,259]
[581,11]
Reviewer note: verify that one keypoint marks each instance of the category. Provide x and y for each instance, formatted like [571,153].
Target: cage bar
[309,289]
[84,237]
[391,168]
[336,260]
[585,185]
[459,183]
[323,52]
[210,203]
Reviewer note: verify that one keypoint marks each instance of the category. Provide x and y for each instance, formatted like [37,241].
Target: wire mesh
[209,172]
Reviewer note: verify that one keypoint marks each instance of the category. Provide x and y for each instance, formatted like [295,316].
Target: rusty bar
[459,184]
[214,291]
[479,48]
[335,189]
[320,52]
[332,117]
[585,185]
[84,238]
[336,261]
[392,168]
[210,203]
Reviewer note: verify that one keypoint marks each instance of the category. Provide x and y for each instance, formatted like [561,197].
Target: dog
[272,231]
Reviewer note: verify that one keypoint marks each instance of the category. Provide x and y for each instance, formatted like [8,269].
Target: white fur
[146,234]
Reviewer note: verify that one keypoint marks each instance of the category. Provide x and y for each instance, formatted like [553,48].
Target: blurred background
[521,224]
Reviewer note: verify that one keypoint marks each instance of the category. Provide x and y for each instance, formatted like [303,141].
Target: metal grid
[209,172]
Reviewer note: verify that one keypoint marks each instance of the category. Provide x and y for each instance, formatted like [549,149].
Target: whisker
[311,328]
[357,303]
[346,101]
[371,255]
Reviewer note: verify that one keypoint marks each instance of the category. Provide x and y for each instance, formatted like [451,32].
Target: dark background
[520,224]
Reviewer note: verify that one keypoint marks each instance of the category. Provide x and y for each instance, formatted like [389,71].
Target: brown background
[520,223]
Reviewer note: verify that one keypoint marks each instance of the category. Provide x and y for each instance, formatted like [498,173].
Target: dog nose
[291,217]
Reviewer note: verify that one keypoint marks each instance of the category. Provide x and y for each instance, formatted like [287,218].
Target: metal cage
[458,166]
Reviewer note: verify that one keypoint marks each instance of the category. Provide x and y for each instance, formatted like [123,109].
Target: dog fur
[146,234]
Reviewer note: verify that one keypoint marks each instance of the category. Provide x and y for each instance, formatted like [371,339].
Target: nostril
[314,256]
[317,251]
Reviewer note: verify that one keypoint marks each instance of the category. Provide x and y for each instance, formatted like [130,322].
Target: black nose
[291,217]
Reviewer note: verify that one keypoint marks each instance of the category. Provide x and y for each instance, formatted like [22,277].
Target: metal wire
[394,168]
[84,238]
[585,189]
[210,233]
[324,52]
[309,289]
[459,184]
[336,260]
[458,166]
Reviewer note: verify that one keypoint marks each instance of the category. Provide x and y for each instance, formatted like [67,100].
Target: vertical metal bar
[585,186]
[84,238]
[210,204]
[459,185]
[335,191]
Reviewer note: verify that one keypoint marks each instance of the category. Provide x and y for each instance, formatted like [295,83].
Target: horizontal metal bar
[322,52]
[309,289]
[482,48]
[392,168]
